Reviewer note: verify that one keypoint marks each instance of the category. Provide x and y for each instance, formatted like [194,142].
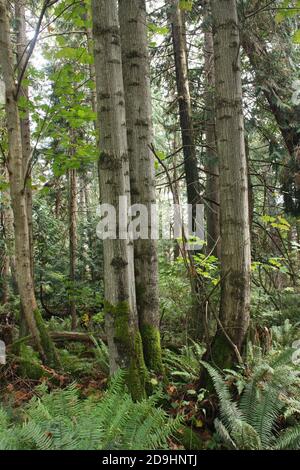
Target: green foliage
[175,301]
[75,364]
[253,421]
[186,5]
[101,354]
[288,8]
[284,335]
[60,420]
[185,366]
[207,267]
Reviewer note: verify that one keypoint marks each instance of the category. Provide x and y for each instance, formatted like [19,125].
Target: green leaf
[186,5]
[163,30]
[296,37]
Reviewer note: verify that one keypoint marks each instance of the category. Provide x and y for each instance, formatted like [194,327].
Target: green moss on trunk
[137,375]
[152,348]
[222,352]
[51,356]
[221,355]
[29,364]
[130,349]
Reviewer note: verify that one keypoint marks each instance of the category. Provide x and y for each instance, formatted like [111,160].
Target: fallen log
[61,337]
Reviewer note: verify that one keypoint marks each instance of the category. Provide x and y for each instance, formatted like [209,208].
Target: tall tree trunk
[124,339]
[185,108]
[8,231]
[177,18]
[4,257]
[90,232]
[7,255]
[92,73]
[136,73]
[18,199]
[235,233]
[4,274]
[22,43]
[73,209]
[212,191]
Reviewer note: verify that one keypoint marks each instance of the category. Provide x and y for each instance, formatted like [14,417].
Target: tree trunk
[177,17]
[18,199]
[4,259]
[124,339]
[73,209]
[90,232]
[22,43]
[5,280]
[185,108]
[235,233]
[7,260]
[136,73]
[212,191]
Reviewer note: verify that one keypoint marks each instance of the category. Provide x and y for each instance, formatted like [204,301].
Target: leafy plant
[252,423]
[184,367]
[60,420]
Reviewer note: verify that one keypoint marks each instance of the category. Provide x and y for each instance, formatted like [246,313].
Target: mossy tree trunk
[124,340]
[136,73]
[17,178]
[235,233]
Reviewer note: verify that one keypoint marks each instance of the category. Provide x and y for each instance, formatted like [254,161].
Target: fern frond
[246,436]
[250,395]
[289,439]
[224,435]
[230,412]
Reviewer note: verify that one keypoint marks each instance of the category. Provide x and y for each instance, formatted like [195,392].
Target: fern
[60,420]
[230,412]
[101,354]
[289,439]
[252,423]
[186,365]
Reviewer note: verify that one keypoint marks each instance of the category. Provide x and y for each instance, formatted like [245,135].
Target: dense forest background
[119,343]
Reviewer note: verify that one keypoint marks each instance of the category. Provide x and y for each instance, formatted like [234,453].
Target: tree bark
[177,18]
[235,233]
[8,255]
[90,232]
[124,339]
[185,108]
[73,209]
[136,73]
[212,191]
[25,120]
[4,260]
[18,199]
